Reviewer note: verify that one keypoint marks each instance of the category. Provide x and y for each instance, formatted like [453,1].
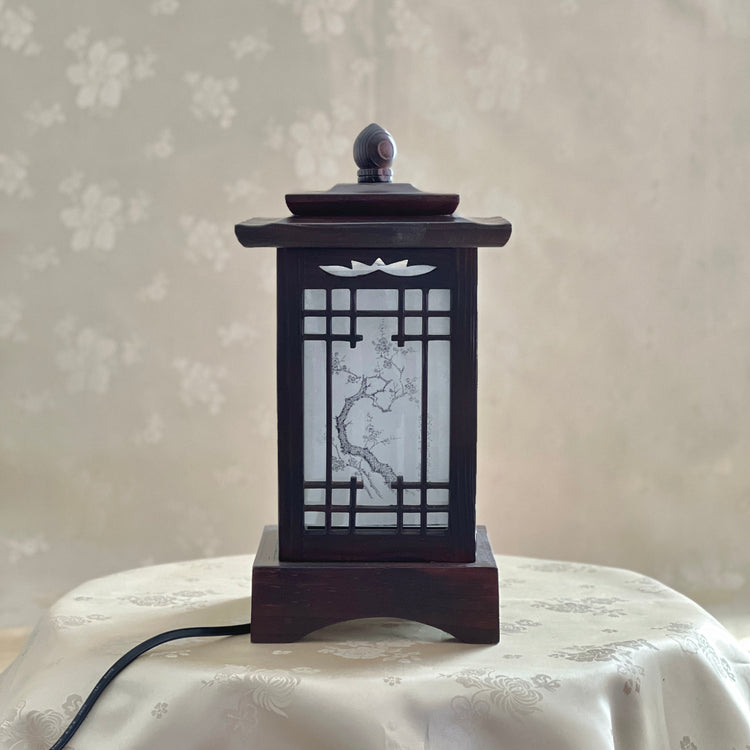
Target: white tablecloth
[590,658]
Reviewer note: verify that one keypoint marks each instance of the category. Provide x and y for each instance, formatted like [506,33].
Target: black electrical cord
[132,655]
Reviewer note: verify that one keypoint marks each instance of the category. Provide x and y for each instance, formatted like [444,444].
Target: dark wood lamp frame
[298,269]
[305,578]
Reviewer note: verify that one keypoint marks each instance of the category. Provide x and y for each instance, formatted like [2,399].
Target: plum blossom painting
[376,408]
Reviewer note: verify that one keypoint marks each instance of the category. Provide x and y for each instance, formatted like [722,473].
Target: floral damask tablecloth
[590,658]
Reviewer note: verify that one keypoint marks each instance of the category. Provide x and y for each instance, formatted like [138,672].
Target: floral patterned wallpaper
[137,400]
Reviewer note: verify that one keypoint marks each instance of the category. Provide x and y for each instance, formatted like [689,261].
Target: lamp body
[377,403]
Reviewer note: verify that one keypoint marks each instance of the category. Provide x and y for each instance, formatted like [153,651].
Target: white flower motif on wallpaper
[321,19]
[361,68]
[162,147]
[200,384]
[89,359]
[130,351]
[103,71]
[11,315]
[211,97]
[500,75]
[152,433]
[197,527]
[96,216]
[237,332]
[38,261]
[262,420]
[410,30]
[569,7]
[164,7]
[274,133]
[321,141]
[710,573]
[244,189]
[35,403]
[235,475]
[267,271]
[206,241]
[14,170]
[23,547]
[40,117]
[98,213]
[17,29]
[156,289]
[256,45]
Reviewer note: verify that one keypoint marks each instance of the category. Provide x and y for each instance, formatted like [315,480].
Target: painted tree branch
[382,392]
[383,469]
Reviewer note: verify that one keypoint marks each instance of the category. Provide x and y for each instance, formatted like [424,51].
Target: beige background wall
[137,338]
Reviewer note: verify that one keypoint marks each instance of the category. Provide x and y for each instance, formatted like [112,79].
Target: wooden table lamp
[377,409]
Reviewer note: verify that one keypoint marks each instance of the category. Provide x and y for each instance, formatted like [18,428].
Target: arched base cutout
[292,600]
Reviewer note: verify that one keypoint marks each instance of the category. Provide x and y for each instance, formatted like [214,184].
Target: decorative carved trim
[398,268]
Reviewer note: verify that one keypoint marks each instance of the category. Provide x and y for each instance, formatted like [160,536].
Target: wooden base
[292,599]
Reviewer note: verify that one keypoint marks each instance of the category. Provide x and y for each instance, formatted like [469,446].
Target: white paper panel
[315,299]
[314,410]
[438,410]
[439,299]
[377,299]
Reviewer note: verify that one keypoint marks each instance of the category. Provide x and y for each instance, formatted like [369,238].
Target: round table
[590,658]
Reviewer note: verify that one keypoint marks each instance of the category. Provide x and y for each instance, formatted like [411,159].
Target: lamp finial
[374,152]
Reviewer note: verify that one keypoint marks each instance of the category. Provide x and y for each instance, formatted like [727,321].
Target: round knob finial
[374,152]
